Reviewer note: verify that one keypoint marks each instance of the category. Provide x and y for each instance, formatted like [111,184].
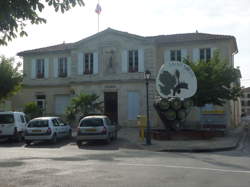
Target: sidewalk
[228,142]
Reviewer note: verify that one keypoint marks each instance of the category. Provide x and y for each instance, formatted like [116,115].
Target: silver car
[97,127]
[46,128]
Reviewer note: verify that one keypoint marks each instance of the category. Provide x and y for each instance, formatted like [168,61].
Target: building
[245,101]
[111,64]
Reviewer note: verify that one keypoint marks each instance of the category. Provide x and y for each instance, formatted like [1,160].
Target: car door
[56,127]
[63,128]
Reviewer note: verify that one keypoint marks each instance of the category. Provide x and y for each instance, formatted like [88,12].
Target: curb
[207,150]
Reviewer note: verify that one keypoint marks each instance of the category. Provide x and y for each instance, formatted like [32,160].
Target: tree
[216,81]
[82,105]
[10,77]
[32,110]
[14,15]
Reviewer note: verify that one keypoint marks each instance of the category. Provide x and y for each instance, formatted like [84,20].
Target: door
[111,105]
[61,103]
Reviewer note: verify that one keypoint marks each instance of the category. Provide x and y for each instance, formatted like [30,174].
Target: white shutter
[213,49]
[69,66]
[183,54]
[166,56]
[196,55]
[55,66]
[95,63]
[46,68]
[33,69]
[80,64]
[141,60]
[124,61]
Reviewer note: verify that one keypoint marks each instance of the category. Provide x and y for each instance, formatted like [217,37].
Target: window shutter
[95,63]
[46,68]
[167,56]
[33,69]
[55,66]
[69,66]
[124,61]
[196,55]
[80,64]
[213,49]
[141,60]
[183,54]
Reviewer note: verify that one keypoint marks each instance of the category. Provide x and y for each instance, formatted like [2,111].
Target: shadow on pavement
[48,144]
[10,143]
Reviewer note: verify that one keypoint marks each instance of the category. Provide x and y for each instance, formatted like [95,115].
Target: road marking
[186,167]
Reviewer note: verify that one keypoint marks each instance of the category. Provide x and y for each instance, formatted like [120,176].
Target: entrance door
[111,105]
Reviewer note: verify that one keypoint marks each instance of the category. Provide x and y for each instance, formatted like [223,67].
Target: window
[22,118]
[88,63]
[242,103]
[92,122]
[248,103]
[6,118]
[175,55]
[205,54]
[40,68]
[248,95]
[55,122]
[62,67]
[133,61]
[40,101]
[38,123]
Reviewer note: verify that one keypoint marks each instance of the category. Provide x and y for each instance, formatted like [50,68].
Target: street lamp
[147,75]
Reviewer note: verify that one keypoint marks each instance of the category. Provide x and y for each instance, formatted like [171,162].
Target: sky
[144,18]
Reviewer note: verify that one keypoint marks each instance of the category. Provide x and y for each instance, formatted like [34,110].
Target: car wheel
[79,143]
[54,139]
[28,142]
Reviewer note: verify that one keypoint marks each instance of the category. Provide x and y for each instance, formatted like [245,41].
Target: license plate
[90,130]
[36,131]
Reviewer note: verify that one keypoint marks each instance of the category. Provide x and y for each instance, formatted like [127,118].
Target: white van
[12,125]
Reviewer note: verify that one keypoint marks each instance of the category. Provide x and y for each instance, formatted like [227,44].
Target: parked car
[12,125]
[46,128]
[98,127]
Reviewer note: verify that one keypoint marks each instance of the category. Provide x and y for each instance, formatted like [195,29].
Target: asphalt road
[118,164]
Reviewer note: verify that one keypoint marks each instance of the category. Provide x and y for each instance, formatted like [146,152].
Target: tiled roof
[161,39]
[54,48]
[189,37]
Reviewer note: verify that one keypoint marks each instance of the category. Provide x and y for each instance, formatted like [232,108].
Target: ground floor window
[40,101]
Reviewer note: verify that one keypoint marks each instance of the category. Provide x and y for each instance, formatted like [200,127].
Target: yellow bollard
[141,122]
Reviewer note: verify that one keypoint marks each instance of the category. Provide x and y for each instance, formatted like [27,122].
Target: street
[98,164]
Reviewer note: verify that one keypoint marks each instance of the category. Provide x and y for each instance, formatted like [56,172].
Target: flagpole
[98,19]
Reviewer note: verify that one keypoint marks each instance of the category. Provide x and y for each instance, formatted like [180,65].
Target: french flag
[98,9]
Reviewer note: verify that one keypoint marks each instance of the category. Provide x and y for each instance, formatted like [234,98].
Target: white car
[46,128]
[98,127]
[12,125]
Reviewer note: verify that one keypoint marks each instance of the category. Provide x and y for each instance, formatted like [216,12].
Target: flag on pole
[98,9]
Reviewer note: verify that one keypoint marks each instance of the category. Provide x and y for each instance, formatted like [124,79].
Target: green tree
[10,77]
[82,105]
[32,110]
[15,14]
[217,81]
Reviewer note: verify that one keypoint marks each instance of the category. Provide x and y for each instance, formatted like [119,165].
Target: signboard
[176,79]
[213,118]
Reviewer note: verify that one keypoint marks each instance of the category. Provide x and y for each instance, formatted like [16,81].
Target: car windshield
[38,123]
[6,118]
[92,122]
